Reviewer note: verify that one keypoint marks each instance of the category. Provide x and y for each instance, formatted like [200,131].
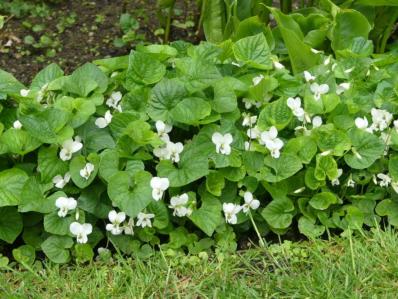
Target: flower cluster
[170,151]
[268,138]
[116,226]
[381,120]
[231,210]
[179,203]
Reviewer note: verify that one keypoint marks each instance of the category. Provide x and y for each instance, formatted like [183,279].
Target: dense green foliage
[322,24]
[196,147]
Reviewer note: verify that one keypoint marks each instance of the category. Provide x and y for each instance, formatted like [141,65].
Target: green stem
[286,6]
[202,13]
[260,239]
[387,32]
[31,270]
[328,233]
[352,253]
[386,146]
[235,8]
[168,25]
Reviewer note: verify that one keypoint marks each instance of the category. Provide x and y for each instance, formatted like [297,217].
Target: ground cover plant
[199,147]
[311,22]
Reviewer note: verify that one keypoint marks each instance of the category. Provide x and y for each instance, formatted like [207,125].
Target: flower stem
[260,239]
[168,24]
[202,13]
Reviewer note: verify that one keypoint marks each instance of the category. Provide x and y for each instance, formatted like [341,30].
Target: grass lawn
[365,266]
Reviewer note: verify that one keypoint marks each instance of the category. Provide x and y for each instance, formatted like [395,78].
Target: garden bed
[266,131]
[79,31]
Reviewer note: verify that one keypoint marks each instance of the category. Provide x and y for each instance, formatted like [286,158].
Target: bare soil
[87,39]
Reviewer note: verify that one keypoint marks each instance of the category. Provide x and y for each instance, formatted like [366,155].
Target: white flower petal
[254,204]
[361,123]
[87,228]
[217,138]
[24,92]
[317,122]
[17,125]
[112,216]
[256,80]
[308,76]
[101,122]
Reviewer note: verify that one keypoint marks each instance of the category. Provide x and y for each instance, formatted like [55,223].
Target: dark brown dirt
[87,39]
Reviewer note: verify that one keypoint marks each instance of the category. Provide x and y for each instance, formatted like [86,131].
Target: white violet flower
[24,92]
[162,153]
[248,120]
[81,231]
[222,142]
[163,130]
[385,180]
[342,88]
[272,142]
[171,151]
[308,77]
[159,185]
[319,90]
[254,133]
[250,202]
[278,65]
[178,203]
[103,122]
[295,105]
[144,220]
[336,181]
[351,183]
[60,181]
[68,148]
[381,119]
[129,228]
[317,121]
[250,103]
[87,170]
[17,125]
[256,80]
[361,123]
[116,219]
[230,212]
[174,150]
[114,99]
[65,204]
[40,95]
